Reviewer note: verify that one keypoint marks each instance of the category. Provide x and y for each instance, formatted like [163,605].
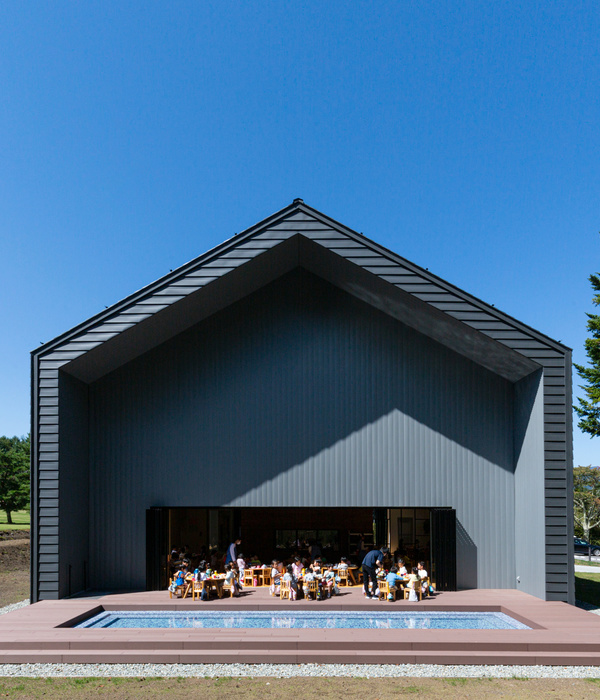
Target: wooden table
[351,570]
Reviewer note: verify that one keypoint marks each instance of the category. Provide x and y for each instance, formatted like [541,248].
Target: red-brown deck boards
[561,634]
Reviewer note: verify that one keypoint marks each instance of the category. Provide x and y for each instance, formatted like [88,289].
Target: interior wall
[301,396]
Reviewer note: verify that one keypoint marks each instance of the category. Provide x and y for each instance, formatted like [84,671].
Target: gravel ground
[14,606]
[290,670]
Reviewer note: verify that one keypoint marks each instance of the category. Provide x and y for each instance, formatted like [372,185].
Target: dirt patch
[14,569]
[328,688]
[14,535]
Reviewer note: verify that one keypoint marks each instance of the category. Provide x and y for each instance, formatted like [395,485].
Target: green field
[20,520]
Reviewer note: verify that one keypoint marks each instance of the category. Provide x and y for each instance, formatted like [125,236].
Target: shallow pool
[302,619]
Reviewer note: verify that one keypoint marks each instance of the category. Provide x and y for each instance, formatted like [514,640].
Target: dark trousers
[369,573]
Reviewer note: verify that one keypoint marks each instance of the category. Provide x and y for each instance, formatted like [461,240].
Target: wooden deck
[561,634]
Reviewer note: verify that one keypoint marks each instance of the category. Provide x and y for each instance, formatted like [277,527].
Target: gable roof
[299,235]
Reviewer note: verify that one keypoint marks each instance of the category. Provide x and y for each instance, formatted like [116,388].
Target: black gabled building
[297,381]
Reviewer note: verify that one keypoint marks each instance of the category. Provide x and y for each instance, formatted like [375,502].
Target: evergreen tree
[588,409]
[14,474]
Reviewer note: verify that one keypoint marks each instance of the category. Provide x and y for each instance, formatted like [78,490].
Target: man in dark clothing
[232,552]
[373,559]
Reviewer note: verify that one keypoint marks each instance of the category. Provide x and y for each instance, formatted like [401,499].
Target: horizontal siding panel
[161,300]
[48,539]
[56,364]
[261,244]
[48,586]
[48,568]
[224,265]
[44,577]
[49,429]
[48,401]
[48,521]
[48,549]
[471,316]
[388,270]
[47,512]
[49,475]
[180,292]
[212,272]
[49,482]
[49,410]
[48,420]
[48,531]
[134,318]
[555,473]
[292,224]
[61,354]
[102,336]
[452,306]
[145,309]
[242,254]
[276,235]
[48,558]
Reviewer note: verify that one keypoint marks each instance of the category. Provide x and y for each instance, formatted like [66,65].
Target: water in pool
[214,619]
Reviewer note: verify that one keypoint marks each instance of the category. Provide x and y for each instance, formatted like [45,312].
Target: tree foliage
[586,498]
[588,409]
[14,474]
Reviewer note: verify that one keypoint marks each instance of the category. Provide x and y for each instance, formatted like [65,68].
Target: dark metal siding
[301,395]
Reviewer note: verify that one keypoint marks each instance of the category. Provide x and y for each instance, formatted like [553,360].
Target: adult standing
[232,553]
[373,559]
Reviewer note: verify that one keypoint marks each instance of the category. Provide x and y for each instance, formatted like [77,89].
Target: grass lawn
[322,688]
[585,562]
[20,520]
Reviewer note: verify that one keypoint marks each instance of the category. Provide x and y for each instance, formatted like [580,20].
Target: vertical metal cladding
[300,395]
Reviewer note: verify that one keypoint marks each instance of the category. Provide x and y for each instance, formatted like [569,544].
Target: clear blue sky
[135,136]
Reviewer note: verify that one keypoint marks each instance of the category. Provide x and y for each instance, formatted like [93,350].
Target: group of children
[398,578]
[184,575]
[299,575]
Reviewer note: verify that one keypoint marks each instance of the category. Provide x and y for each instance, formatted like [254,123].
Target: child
[412,584]
[401,568]
[275,578]
[231,579]
[179,580]
[394,581]
[423,575]
[343,563]
[297,567]
[291,577]
[329,581]
[241,565]
[308,576]
[316,567]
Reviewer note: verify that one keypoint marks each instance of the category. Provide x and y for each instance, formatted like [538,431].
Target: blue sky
[135,136]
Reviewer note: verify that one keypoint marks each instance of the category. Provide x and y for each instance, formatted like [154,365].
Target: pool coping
[561,634]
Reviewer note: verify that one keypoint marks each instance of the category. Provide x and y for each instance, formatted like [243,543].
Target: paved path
[588,569]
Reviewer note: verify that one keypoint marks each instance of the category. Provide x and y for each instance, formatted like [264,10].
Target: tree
[14,474]
[586,498]
[588,409]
